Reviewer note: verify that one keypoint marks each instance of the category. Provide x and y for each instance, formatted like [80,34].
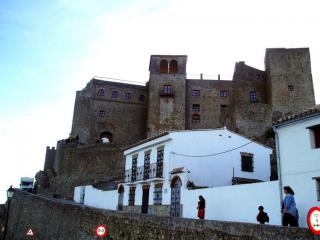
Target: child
[262,217]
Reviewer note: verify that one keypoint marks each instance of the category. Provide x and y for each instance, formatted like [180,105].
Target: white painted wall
[101,199]
[299,163]
[237,203]
[77,193]
[217,170]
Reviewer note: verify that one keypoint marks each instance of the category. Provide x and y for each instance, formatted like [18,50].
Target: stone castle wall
[86,164]
[60,220]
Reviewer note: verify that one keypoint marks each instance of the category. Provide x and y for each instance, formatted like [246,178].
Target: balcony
[155,171]
[163,93]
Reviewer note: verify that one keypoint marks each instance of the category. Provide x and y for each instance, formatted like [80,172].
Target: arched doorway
[176,184]
[120,197]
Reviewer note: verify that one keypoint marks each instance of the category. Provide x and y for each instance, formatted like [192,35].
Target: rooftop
[306,113]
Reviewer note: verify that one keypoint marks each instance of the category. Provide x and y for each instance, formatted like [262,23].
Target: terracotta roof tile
[305,113]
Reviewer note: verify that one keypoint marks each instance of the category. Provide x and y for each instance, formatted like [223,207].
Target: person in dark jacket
[201,207]
[262,216]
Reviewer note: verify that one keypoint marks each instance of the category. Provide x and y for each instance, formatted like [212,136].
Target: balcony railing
[155,171]
[163,93]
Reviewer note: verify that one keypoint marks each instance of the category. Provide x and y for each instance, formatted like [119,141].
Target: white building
[159,170]
[298,152]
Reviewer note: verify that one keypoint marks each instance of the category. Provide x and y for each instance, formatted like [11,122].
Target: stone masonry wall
[86,164]
[56,220]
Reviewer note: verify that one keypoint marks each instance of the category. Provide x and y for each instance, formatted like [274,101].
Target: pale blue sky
[51,49]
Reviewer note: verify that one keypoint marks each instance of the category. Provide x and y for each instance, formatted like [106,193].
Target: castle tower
[289,80]
[167,93]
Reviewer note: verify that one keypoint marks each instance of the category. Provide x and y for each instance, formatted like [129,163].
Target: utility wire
[214,154]
[118,79]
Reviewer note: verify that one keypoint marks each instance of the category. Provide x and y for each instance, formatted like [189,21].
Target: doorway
[175,209]
[145,199]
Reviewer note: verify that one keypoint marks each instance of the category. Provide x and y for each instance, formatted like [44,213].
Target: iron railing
[154,171]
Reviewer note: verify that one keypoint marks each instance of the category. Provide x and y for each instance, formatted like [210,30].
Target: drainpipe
[279,165]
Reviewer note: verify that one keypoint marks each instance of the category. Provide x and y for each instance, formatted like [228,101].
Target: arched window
[106,137]
[195,118]
[101,92]
[173,68]
[164,66]
[115,94]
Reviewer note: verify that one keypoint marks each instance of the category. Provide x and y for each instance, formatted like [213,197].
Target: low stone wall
[60,220]
[159,210]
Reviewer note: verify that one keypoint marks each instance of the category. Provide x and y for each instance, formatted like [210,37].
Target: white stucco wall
[237,203]
[217,170]
[101,199]
[299,163]
[76,194]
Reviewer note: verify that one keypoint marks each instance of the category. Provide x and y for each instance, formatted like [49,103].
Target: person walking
[262,216]
[289,210]
[201,207]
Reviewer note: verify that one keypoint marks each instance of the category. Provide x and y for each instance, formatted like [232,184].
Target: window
[131,196]
[102,113]
[195,118]
[253,96]
[223,93]
[128,96]
[246,162]
[141,98]
[134,168]
[160,162]
[146,165]
[167,89]
[195,92]
[115,94]
[157,194]
[106,137]
[173,67]
[290,88]
[318,188]
[315,136]
[196,108]
[164,66]
[100,92]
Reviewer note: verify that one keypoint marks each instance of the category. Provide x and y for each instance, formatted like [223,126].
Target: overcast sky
[51,49]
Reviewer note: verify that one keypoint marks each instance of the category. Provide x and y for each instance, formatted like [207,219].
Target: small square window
[195,92]
[196,108]
[167,89]
[100,92]
[115,94]
[290,88]
[102,113]
[246,162]
[315,136]
[141,98]
[128,96]
[223,93]
[253,96]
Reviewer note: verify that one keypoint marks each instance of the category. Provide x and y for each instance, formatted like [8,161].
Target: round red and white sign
[314,220]
[101,231]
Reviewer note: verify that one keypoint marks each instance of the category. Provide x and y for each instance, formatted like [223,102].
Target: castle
[109,116]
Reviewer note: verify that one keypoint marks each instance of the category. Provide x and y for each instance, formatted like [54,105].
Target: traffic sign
[30,232]
[314,220]
[101,231]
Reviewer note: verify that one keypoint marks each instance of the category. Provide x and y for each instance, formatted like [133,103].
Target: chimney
[201,76]
[218,76]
